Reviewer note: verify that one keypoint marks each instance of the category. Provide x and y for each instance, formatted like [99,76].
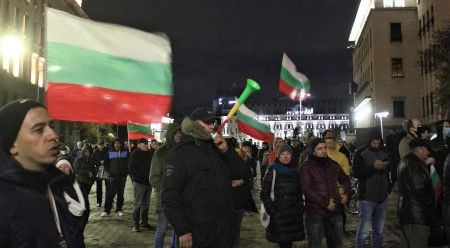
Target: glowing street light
[11,46]
[381,116]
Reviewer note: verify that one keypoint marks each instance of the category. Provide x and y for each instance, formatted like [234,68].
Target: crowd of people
[202,184]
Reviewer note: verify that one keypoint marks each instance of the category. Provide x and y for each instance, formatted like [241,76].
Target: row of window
[426,22]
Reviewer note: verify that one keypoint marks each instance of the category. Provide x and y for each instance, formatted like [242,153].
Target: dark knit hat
[283,148]
[314,142]
[11,119]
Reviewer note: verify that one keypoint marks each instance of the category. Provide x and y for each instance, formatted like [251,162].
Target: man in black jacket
[139,170]
[196,188]
[415,207]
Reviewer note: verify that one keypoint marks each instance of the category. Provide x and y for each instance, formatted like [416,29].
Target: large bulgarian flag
[105,73]
[137,131]
[248,125]
[292,83]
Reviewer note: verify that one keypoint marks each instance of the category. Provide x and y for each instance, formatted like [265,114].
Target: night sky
[216,44]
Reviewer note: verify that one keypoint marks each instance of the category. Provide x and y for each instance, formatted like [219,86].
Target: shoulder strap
[272,193]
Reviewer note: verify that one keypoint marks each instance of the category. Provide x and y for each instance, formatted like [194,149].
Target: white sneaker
[120,213]
[104,214]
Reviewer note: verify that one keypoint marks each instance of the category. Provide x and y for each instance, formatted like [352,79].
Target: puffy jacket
[83,166]
[196,187]
[415,192]
[116,163]
[139,166]
[286,211]
[27,220]
[319,185]
[373,185]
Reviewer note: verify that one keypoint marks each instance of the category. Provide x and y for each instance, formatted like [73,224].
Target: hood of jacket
[171,130]
[192,128]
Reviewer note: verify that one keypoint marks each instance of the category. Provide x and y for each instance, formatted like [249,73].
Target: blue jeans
[316,228]
[375,212]
[161,230]
[115,186]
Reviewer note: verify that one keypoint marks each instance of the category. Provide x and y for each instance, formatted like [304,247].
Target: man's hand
[185,240]
[380,165]
[331,206]
[344,198]
[429,161]
[220,142]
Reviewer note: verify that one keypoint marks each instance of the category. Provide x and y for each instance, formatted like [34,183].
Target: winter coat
[286,211]
[83,166]
[196,187]
[242,194]
[373,185]
[27,219]
[116,163]
[320,184]
[415,192]
[139,166]
[157,166]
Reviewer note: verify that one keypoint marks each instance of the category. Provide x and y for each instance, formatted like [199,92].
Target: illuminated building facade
[387,36]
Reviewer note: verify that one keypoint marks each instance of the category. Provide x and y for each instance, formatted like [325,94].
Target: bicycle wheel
[350,206]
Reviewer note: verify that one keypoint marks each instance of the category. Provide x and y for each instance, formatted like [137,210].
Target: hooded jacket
[83,166]
[27,219]
[157,167]
[196,187]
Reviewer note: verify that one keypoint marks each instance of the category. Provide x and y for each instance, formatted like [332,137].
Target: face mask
[447,131]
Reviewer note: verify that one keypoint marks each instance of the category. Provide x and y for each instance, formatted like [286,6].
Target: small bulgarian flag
[437,185]
[248,125]
[137,131]
[109,73]
[292,83]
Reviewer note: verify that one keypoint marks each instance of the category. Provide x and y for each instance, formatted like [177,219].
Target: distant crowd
[202,184]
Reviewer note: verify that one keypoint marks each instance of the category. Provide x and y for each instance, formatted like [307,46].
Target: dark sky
[221,43]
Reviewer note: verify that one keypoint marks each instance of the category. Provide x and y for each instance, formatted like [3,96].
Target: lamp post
[381,116]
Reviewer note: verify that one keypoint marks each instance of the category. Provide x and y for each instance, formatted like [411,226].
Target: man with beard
[196,188]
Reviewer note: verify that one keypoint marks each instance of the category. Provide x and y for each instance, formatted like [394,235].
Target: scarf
[283,170]
[76,208]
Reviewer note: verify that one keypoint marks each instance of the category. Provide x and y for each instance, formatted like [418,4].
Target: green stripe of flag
[247,116]
[108,71]
[145,129]
[294,81]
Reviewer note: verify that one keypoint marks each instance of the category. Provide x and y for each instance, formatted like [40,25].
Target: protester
[415,207]
[286,211]
[31,197]
[196,189]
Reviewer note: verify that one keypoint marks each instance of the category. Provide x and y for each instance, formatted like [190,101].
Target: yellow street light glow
[11,46]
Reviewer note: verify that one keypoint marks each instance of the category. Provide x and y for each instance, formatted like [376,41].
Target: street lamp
[381,116]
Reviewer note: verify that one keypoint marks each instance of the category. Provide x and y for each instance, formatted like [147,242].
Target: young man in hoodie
[31,186]
[139,170]
[196,188]
[173,135]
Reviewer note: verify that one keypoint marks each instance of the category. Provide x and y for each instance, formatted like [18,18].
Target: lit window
[397,67]
[399,3]
[388,3]
[41,72]
[34,59]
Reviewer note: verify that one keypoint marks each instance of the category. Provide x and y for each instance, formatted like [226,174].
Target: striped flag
[437,185]
[105,73]
[248,125]
[292,83]
[137,131]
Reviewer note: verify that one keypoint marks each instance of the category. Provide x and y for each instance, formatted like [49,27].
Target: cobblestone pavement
[115,231]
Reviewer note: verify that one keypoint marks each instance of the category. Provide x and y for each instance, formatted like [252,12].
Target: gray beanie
[284,148]
[11,118]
